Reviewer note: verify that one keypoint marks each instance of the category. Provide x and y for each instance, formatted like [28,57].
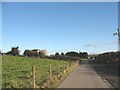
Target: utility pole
[118,34]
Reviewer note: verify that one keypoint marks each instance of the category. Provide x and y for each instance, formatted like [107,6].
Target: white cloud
[101,44]
[110,43]
[90,45]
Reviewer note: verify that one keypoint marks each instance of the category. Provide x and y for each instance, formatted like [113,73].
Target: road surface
[83,77]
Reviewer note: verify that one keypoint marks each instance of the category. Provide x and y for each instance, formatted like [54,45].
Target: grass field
[17,71]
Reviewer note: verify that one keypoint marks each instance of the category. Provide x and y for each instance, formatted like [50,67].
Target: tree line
[69,56]
[108,57]
[73,54]
[28,53]
[43,54]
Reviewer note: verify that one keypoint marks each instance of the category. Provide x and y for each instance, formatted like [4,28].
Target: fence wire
[23,76]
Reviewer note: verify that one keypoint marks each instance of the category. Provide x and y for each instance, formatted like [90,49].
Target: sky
[60,26]
[60,0]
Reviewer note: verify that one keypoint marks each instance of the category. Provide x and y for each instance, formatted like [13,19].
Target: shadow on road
[109,72]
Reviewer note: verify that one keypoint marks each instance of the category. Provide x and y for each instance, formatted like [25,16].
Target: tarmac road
[83,77]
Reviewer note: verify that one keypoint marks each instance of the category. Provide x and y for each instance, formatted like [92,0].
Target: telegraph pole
[118,34]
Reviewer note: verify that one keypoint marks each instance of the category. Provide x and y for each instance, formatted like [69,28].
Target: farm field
[17,71]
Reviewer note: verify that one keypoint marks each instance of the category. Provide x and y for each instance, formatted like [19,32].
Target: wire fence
[29,77]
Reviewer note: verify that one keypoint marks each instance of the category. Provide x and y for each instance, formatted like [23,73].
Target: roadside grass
[17,71]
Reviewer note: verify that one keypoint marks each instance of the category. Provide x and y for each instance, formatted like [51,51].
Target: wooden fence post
[50,72]
[68,65]
[58,69]
[64,65]
[33,70]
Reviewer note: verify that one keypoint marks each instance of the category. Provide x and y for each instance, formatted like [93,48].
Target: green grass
[17,71]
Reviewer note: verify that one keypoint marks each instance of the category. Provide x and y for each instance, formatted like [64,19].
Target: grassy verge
[57,80]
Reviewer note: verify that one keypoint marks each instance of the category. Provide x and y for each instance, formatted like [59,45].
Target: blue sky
[60,27]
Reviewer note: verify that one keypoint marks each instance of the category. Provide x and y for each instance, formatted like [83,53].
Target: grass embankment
[17,71]
[57,80]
